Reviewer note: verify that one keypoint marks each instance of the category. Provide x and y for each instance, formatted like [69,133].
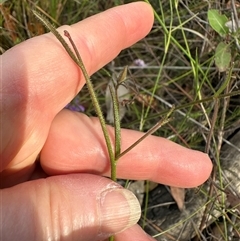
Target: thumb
[70,207]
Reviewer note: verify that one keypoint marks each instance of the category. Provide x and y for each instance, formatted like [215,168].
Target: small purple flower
[139,62]
[75,105]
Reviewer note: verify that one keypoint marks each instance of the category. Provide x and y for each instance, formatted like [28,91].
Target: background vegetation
[173,65]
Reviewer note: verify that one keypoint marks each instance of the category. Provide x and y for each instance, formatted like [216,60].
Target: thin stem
[111,238]
[49,26]
[78,60]
[96,106]
[149,132]
[94,100]
[117,129]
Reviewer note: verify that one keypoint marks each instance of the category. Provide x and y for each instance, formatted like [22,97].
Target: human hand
[38,80]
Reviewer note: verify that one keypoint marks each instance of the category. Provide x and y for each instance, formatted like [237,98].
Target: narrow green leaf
[122,76]
[218,21]
[222,57]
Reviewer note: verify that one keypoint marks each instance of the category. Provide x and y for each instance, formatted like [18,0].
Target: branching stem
[78,60]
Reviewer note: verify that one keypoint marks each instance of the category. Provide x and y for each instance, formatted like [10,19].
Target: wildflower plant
[114,152]
[219,22]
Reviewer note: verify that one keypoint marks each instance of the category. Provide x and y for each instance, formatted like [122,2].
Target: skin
[55,160]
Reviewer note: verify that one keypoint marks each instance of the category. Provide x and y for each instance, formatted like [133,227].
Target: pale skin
[61,200]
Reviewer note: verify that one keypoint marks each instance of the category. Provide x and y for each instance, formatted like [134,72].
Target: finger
[43,78]
[70,207]
[76,144]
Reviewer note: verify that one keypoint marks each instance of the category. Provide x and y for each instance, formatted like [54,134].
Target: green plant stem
[111,238]
[149,132]
[117,129]
[79,62]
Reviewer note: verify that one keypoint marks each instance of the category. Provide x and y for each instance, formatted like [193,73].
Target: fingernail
[120,210]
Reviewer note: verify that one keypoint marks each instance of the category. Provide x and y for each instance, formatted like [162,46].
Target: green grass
[180,71]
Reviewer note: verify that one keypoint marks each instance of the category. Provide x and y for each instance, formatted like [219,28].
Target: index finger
[39,78]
